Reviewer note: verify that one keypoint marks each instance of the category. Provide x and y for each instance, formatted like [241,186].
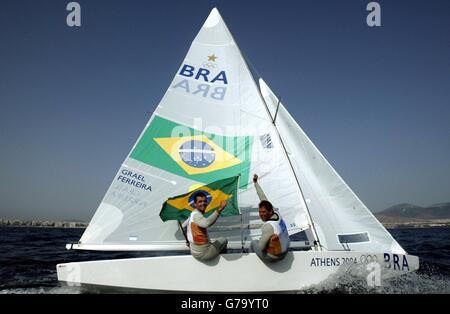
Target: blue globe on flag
[197,154]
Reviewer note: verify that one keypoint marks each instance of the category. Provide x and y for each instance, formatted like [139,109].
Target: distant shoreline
[391,223]
[43,227]
[41,224]
[416,225]
[82,225]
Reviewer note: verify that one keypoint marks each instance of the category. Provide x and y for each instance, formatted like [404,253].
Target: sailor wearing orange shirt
[200,245]
[274,242]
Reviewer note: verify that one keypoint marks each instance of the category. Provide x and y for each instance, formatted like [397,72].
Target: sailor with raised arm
[200,245]
[274,242]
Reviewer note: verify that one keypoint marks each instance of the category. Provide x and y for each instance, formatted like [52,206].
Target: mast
[313,228]
[317,241]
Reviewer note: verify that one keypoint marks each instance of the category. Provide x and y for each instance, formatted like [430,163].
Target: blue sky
[376,101]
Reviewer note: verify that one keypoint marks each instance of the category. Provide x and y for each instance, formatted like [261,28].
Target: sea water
[28,258]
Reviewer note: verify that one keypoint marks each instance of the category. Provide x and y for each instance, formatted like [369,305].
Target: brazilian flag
[195,155]
[181,206]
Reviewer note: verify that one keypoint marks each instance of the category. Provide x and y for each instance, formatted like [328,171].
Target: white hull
[242,272]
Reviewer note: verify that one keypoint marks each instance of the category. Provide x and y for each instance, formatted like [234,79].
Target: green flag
[181,206]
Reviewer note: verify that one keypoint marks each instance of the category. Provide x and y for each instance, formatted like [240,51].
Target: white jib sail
[211,123]
[341,219]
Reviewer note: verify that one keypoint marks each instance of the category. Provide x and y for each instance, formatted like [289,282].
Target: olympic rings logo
[366,259]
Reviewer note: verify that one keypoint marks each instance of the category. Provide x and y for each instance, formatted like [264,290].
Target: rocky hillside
[412,215]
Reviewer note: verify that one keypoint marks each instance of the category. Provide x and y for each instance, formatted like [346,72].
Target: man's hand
[222,206]
[255,178]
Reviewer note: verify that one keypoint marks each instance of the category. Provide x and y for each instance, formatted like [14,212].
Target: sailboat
[217,120]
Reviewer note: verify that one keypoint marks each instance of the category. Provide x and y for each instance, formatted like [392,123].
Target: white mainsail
[211,123]
[341,219]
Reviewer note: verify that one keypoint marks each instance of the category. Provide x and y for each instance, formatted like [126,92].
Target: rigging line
[240,212]
[240,172]
[253,72]
[276,112]
[316,238]
[317,241]
[250,66]
[184,233]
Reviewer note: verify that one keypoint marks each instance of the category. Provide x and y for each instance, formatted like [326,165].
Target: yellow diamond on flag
[197,154]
